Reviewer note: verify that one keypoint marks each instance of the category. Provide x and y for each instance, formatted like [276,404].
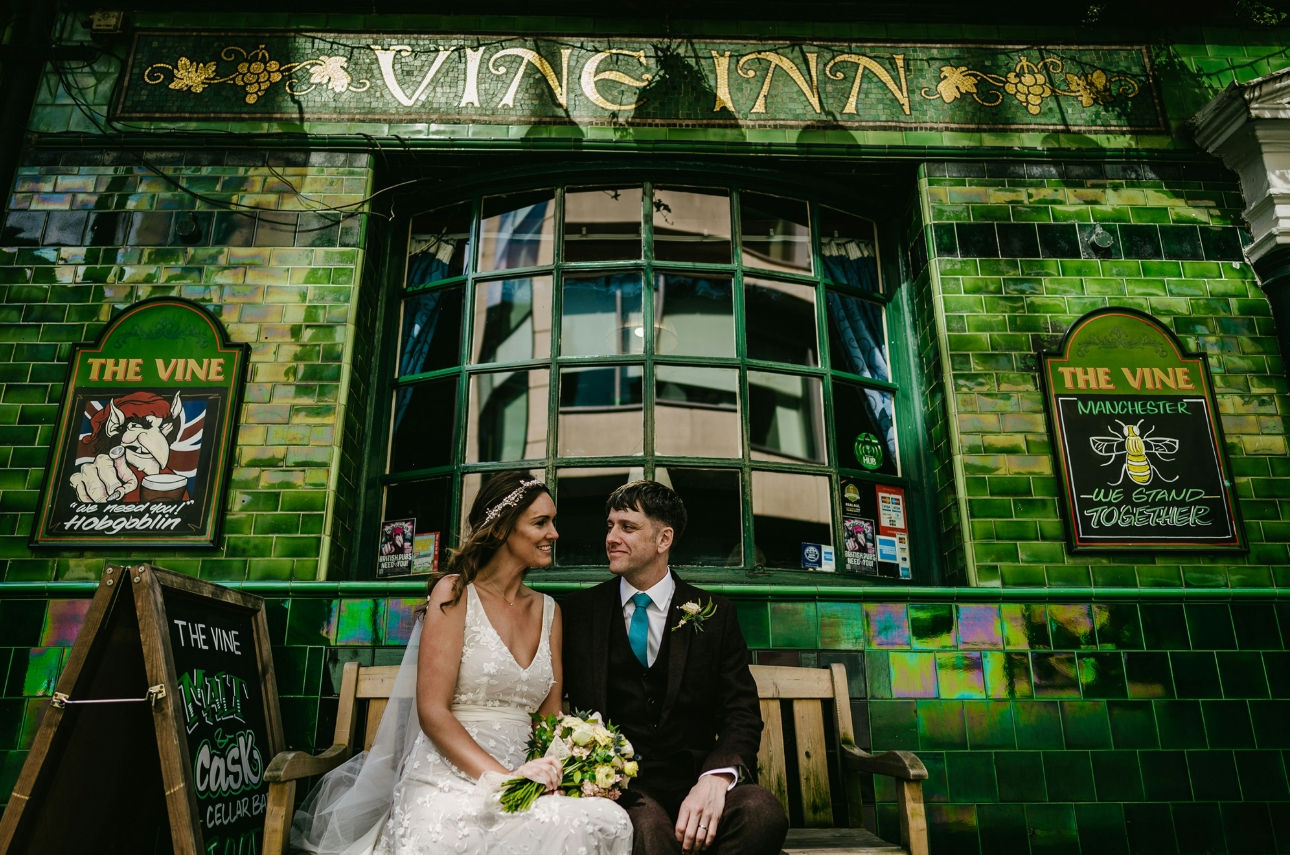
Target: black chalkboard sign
[1137,440]
[160,729]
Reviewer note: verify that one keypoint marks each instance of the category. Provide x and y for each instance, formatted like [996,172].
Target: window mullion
[647,322]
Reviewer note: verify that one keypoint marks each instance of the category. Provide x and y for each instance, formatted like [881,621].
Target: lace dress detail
[440,809]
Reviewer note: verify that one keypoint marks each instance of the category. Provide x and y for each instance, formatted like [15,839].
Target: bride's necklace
[493,587]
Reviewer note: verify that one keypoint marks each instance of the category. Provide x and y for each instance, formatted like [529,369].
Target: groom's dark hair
[657,501]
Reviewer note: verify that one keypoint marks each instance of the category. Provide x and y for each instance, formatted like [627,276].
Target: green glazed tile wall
[88,233]
[1102,728]
[1010,268]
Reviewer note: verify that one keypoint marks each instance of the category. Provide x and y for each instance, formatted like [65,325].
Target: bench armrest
[293,765]
[903,765]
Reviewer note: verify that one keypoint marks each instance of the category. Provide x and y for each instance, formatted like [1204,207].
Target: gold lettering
[532,57]
[385,59]
[195,368]
[722,63]
[1087,377]
[164,371]
[590,77]
[1184,378]
[470,94]
[1104,379]
[134,373]
[217,370]
[1165,377]
[900,92]
[95,365]
[1066,377]
[1135,379]
[776,60]
[114,369]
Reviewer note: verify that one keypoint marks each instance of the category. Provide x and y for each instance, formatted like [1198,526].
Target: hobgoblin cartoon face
[146,437]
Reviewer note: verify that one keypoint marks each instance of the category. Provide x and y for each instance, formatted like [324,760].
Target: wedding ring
[703,828]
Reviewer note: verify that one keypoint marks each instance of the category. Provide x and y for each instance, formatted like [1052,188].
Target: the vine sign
[1137,439]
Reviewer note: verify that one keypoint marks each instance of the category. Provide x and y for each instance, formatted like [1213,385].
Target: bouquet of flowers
[597,760]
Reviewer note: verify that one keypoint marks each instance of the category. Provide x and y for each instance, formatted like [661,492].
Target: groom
[679,689]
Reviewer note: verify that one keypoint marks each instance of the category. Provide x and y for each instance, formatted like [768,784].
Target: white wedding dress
[436,808]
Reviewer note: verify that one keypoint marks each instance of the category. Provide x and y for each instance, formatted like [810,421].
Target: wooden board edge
[202,588]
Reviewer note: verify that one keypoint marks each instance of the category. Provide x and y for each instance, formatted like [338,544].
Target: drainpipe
[24,58]
[1248,127]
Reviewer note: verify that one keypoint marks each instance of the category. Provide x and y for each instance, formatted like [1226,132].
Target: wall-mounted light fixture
[1101,238]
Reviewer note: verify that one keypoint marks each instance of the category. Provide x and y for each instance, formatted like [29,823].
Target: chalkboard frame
[149,585]
[1238,542]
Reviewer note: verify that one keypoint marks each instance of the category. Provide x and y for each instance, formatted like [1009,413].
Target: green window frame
[891,299]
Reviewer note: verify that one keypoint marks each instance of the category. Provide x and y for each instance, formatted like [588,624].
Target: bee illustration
[1134,446]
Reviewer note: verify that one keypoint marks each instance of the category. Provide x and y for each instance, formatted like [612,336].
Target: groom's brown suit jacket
[709,718]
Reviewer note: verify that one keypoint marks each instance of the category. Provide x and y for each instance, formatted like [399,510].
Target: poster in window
[425,552]
[394,554]
[143,441]
[860,547]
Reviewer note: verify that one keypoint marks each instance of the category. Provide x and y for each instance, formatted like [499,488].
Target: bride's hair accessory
[512,499]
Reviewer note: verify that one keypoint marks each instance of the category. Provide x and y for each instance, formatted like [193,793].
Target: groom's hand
[696,824]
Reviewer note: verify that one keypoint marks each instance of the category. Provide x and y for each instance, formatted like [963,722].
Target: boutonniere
[696,614]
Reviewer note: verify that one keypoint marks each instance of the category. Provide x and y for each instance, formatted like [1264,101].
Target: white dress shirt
[660,596]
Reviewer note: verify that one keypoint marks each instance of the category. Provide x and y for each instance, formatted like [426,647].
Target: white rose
[626,749]
[583,734]
[690,608]
[630,768]
[605,777]
[604,736]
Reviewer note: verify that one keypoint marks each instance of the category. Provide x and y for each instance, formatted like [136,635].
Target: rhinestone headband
[512,499]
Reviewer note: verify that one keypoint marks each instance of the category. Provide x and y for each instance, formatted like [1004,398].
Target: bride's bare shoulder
[443,593]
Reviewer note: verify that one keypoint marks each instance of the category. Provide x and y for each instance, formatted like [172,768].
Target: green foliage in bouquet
[597,759]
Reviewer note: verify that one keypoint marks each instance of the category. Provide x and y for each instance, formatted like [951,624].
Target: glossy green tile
[1164,627]
[893,725]
[1003,829]
[1256,626]
[971,776]
[959,675]
[1196,675]
[913,675]
[1248,827]
[34,672]
[1277,667]
[1071,626]
[885,625]
[1068,776]
[1117,626]
[1269,719]
[63,620]
[877,666]
[1025,626]
[941,725]
[1199,828]
[1052,829]
[299,720]
[1148,675]
[1116,776]
[1038,724]
[980,627]
[359,622]
[1262,775]
[11,713]
[1209,626]
[952,829]
[21,622]
[841,626]
[853,661]
[1101,829]
[1150,829]
[289,669]
[1227,724]
[1020,776]
[754,623]
[1213,776]
[1007,675]
[989,725]
[1085,724]
[794,625]
[1164,776]
[400,618]
[931,627]
[1054,675]
[936,788]
[1242,675]
[1180,724]
[1133,724]
[314,670]
[311,622]
[1101,675]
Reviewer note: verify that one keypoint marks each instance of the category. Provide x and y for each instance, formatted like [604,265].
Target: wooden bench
[806,688]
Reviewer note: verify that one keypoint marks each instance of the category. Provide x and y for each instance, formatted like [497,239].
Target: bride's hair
[501,502]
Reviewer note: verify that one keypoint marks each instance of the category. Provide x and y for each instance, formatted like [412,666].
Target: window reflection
[601,412]
[785,417]
[421,432]
[581,520]
[775,233]
[860,417]
[517,231]
[696,412]
[512,320]
[692,225]
[713,505]
[857,337]
[602,224]
[473,482]
[788,511]
[508,416]
[431,331]
[439,245]
[693,316]
[780,322]
[601,315]
[427,501]
[848,250]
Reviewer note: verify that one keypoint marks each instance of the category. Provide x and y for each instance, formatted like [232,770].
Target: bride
[457,723]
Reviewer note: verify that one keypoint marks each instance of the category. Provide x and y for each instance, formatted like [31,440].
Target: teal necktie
[638,633]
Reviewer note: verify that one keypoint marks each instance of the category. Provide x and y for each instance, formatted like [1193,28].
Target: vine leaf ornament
[1031,84]
[256,73]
